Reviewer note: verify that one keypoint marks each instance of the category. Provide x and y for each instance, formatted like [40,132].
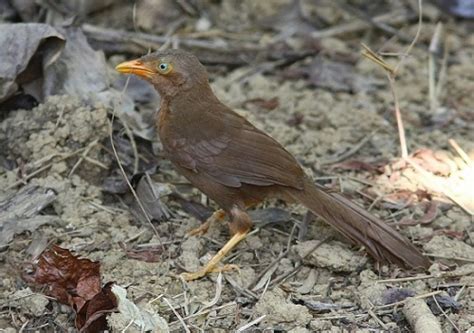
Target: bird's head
[170,71]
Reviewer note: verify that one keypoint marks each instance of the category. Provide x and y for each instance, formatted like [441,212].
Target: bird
[239,166]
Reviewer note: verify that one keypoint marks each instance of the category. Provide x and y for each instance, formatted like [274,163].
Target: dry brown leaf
[76,282]
[69,279]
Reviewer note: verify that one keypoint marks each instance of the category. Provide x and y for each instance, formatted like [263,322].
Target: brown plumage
[237,165]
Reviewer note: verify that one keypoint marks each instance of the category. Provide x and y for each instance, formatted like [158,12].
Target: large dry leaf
[79,71]
[27,49]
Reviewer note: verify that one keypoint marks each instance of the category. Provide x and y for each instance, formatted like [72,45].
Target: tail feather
[383,242]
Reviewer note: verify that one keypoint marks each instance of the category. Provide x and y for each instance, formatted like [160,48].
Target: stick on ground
[420,317]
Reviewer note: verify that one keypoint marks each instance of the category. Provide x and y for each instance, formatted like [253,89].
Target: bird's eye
[164,68]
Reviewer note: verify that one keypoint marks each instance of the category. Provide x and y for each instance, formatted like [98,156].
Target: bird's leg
[240,226]
[217,216]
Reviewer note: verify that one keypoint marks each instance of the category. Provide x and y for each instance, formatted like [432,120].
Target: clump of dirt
[62,127]
[334,256]
[280,311]
[443,246]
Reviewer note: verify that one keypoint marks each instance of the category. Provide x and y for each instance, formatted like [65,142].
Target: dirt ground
[334,288]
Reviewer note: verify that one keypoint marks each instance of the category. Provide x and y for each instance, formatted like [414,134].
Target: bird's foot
[218,215]
[212,264]
[205,270]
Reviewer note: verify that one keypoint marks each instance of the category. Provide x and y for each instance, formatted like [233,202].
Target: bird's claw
[204,271]
[199,231]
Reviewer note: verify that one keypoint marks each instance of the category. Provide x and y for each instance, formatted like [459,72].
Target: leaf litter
[63,145]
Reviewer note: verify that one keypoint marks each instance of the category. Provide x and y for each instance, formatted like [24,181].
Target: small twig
[377,319]
[130,323]
[239,289]
[391,305]
[268,268]
[448,257]
[410,278]
[461,152]
[138,42]
[433,53]
[375,201]
[200,313]
[265,288]
[298,267]
[415,39]
[124,174]
[353,150]
[252,323]
[420,317]
[181,320]
[83,156]
[443,70]
[398,117]
[459,293]
[136,158]
[446,315]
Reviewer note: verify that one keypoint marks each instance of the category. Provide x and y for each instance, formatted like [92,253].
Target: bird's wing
[232,151]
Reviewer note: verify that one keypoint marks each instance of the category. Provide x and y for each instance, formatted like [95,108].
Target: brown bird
[237,165]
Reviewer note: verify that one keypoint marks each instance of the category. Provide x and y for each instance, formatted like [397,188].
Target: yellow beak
[134,67]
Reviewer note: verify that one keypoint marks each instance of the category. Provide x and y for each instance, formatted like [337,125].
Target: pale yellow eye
[164,67]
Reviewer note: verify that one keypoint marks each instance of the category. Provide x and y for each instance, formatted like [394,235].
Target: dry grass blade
[415,39]
[392,73]
[124,174]
[252,323]
[85,157]
[446,315]
[409,278]
[217,296]
[461,152]
[374,57]
[391,305]
[433,51]
[181,320]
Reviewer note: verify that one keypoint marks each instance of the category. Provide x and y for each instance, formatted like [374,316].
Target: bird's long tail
[383,242]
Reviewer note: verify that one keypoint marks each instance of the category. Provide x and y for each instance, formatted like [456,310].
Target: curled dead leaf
[75,282]
[68,278]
